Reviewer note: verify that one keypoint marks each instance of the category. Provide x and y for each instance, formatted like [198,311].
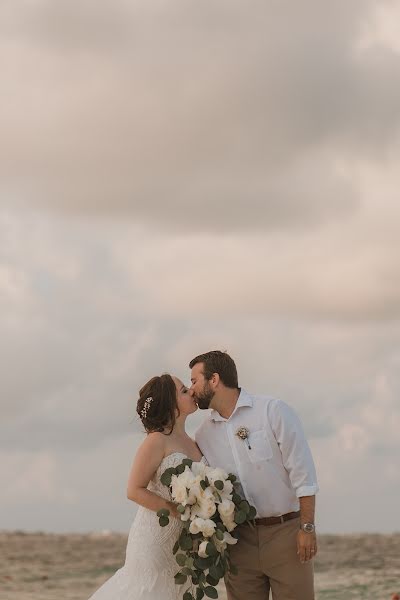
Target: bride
[150,566]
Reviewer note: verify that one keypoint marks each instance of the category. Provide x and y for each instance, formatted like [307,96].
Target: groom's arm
[296,454]
[307,509]
[299,464]
[306,542]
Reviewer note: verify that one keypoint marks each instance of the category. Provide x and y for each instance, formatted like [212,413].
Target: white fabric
[278,469]
[150,566]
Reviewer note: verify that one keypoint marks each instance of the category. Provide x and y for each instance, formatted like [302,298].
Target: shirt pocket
[260,447]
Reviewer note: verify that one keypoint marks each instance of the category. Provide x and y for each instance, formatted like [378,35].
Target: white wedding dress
[150,566]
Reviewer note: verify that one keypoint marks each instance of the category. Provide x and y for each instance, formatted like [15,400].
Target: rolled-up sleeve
[296,453]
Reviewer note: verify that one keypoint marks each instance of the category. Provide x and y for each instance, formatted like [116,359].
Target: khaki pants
[266,559]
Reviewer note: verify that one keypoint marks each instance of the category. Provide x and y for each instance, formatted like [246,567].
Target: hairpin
[146,406]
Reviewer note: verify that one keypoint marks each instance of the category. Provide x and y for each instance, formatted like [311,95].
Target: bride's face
[184,398]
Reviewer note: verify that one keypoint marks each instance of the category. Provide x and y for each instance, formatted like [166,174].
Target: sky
[183,176]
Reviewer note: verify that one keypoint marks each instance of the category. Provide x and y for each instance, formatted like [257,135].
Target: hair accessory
[146,406]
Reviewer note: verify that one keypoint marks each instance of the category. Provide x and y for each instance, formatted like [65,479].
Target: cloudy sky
[178,176]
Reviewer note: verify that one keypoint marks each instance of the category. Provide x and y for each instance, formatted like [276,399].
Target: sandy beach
[38,566]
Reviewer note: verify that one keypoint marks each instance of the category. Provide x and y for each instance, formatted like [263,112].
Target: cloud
[148,113]
[184,176]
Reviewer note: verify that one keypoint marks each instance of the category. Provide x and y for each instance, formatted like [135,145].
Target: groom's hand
[306,545]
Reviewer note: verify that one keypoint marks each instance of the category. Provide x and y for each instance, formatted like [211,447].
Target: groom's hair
[218,362]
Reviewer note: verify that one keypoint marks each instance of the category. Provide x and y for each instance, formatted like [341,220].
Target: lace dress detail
[150,566]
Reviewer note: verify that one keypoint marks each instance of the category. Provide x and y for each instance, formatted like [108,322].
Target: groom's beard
[204,399]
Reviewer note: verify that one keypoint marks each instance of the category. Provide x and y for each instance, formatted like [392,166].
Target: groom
[277,475]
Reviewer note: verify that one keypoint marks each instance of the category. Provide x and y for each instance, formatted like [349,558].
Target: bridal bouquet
[210,510]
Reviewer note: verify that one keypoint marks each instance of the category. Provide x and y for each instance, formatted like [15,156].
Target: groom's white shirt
[278,469]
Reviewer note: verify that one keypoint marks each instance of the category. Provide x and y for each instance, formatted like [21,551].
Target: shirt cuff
[307,490]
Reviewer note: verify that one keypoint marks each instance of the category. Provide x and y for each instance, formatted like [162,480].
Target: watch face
[308,527]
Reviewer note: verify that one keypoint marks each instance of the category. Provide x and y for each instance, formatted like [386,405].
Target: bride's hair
[157,404]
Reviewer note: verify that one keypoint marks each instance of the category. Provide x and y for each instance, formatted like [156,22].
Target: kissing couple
[275,473]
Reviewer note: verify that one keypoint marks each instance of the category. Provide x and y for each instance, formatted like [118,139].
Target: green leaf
[252,513]
[176,547]
[216,571]
[163,512]
[219,484]
[232,477]
[180,578]
[166,477]
[244,506]
[218,496]
[212,580]
[180,508]
[188,596]
[180,559]
[180,469]
[211,549]
[186,542]
[187,571]
[199,594]
[187,462]
[207,481]
[236,498]
[219,534]
[203,563]
[163,521]
[203,484]
[221,526]
[211,592]
[189,562]
[240,517]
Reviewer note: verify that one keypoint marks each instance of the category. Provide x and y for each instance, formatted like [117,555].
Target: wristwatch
[308,527]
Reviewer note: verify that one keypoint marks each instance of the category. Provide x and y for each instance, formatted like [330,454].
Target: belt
[276,520]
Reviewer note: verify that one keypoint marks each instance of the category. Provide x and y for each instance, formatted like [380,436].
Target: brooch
[243,434]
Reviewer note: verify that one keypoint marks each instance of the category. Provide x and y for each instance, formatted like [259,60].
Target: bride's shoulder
[154,442]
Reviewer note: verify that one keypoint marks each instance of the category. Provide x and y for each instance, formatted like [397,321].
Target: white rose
[198,491]
[229,539]
[198,469]
[196,525]
[229,523]
[204,507]
[202,550]
[208,528]
[226,509]
[194,490]
[216,474]
[187,477]
[179,492]
[226,492]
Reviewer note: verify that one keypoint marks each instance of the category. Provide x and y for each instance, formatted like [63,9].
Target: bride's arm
[148,457]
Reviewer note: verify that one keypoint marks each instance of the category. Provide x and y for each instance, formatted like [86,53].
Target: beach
[41,566]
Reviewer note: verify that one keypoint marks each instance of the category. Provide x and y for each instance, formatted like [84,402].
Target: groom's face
[201,388]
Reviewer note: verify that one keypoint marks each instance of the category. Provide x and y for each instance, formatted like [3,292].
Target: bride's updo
[157,404]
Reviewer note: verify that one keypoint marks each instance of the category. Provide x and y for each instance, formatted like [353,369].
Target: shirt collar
[244,400]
